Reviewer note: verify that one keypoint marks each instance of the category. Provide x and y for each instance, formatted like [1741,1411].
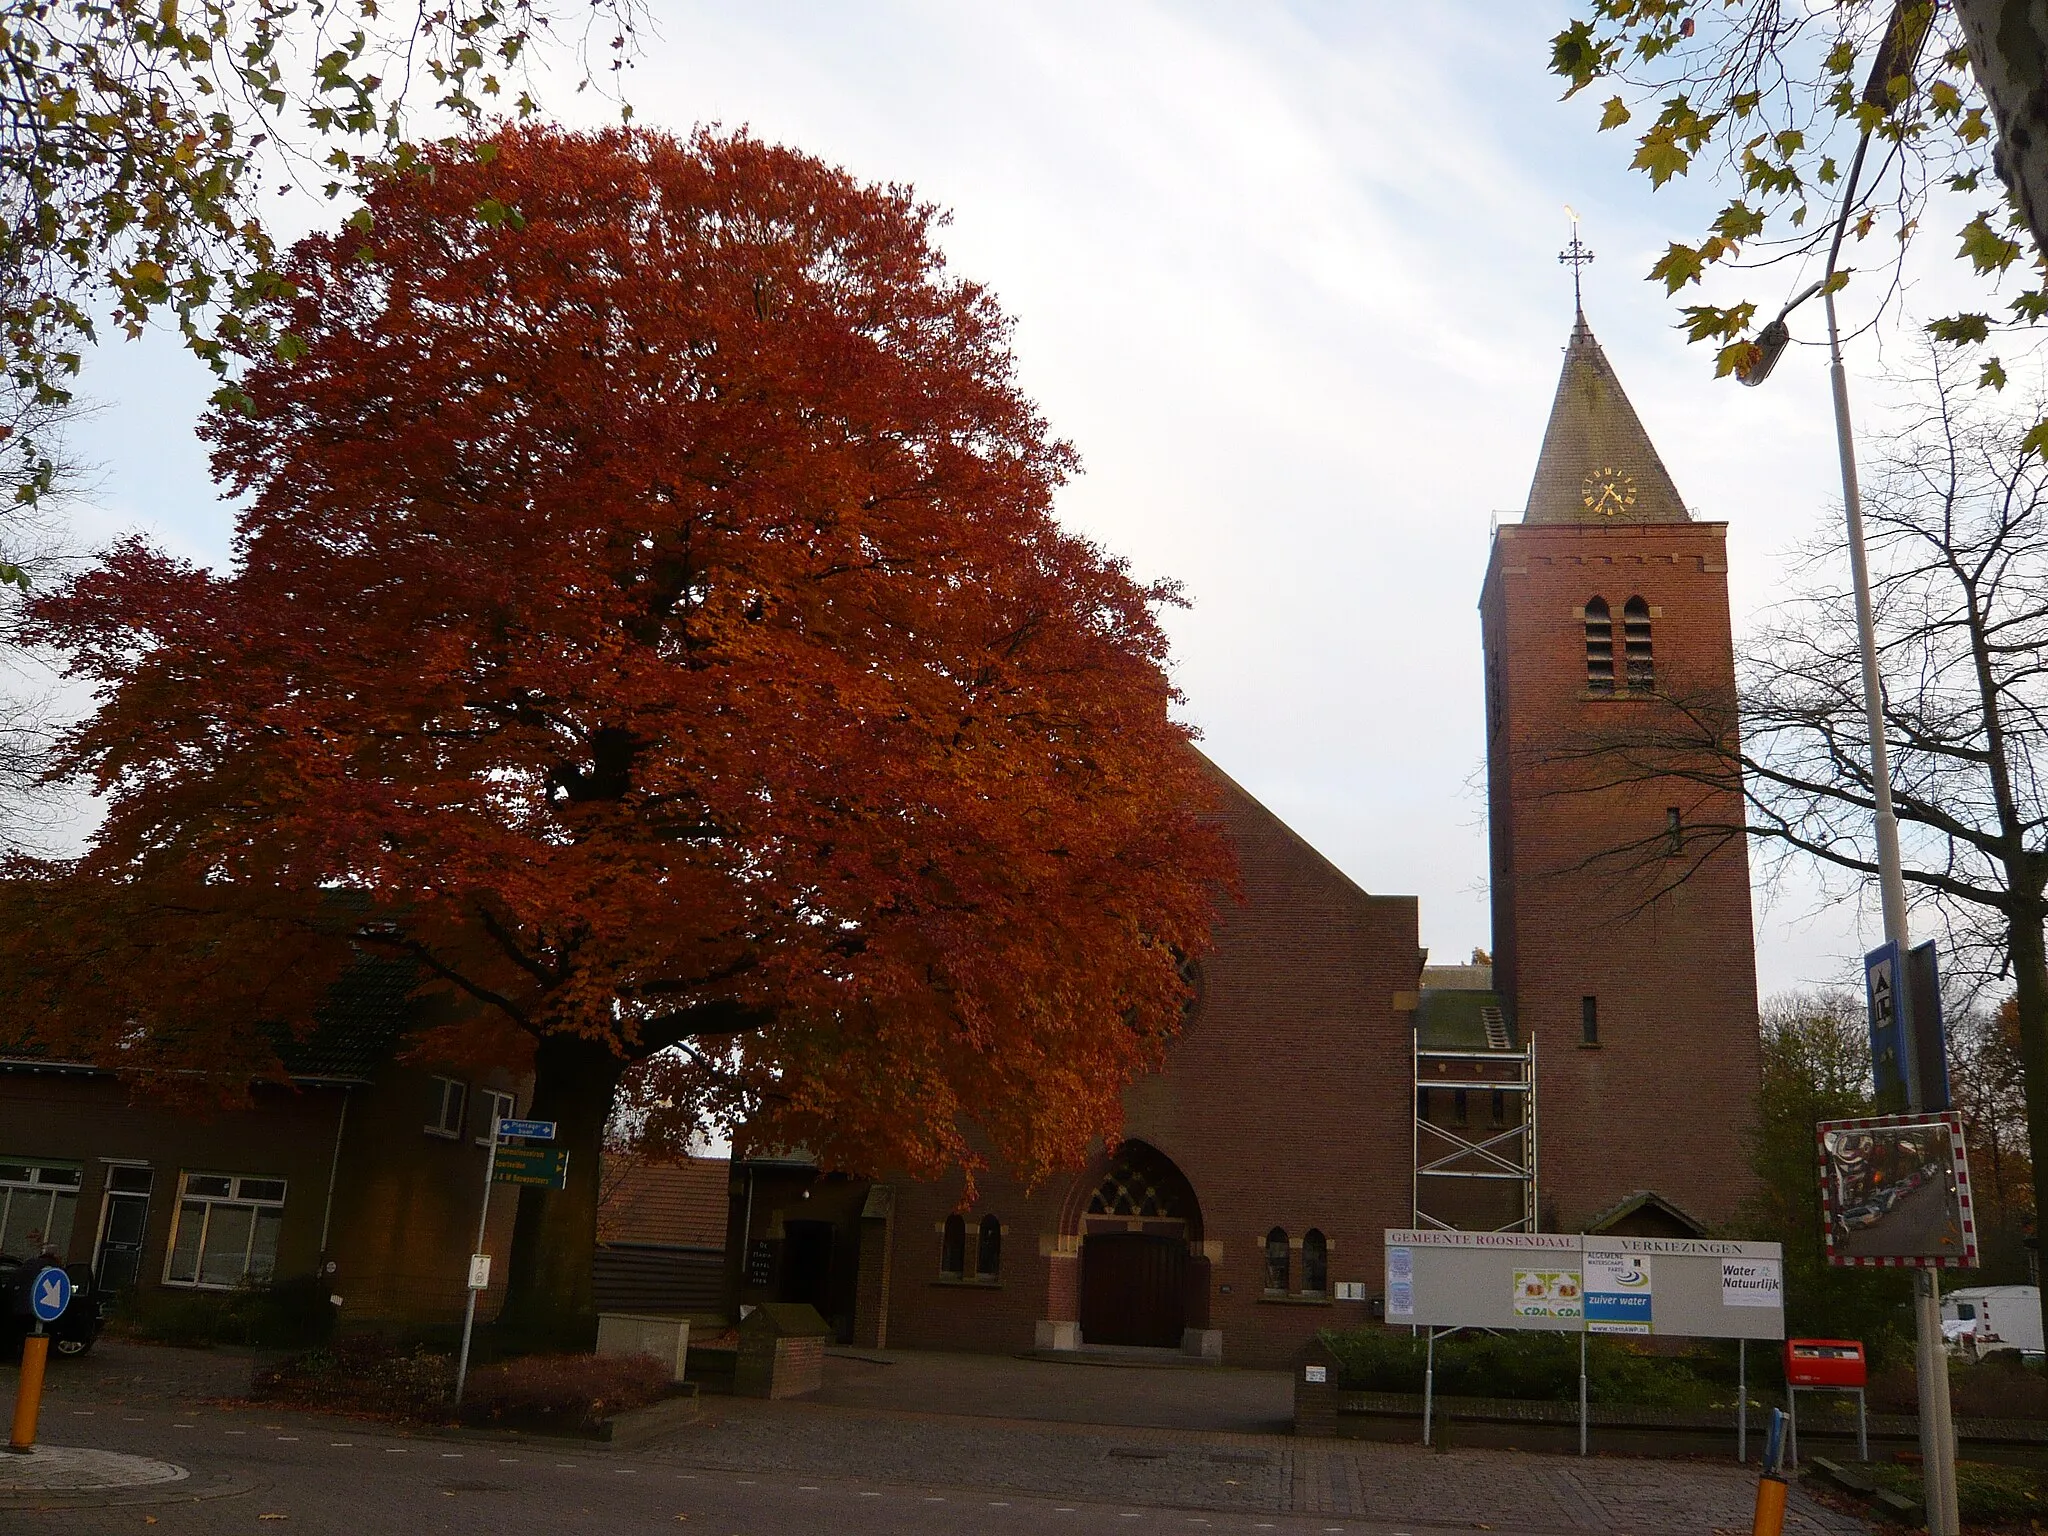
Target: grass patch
[1986,1494]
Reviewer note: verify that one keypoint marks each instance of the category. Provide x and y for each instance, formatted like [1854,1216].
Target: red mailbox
[1824,1363]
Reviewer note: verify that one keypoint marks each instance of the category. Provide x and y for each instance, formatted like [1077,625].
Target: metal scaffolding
[1498,1153]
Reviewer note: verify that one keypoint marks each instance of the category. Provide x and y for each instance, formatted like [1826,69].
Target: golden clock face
[1609,491]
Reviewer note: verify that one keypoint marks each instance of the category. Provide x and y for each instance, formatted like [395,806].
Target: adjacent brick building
[359,1167]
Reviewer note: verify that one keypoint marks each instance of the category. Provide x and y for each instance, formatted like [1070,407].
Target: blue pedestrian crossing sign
[49,1294]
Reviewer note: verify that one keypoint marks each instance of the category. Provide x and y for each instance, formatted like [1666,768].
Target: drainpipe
[333,1172]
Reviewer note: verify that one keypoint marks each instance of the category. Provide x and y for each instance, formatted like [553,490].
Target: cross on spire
[1575,255]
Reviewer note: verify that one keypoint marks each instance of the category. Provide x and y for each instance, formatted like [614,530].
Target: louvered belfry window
[1635,632]
[1599,646]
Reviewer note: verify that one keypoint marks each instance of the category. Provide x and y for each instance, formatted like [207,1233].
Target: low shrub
[364,1373]
[1541,1367]
[565,1394]
[284,1314]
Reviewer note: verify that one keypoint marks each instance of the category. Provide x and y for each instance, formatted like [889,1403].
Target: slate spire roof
[1598,464]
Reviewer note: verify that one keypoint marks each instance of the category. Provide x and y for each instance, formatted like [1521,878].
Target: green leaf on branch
[1988,250]
[1614,114]
[1679,265]
[1960,330]
[1992,375]
[2036,441]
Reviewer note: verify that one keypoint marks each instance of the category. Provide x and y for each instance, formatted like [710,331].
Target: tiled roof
[680,1205]
[1595,441]
[1450,1019]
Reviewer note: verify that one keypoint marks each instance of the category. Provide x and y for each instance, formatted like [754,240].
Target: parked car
[1981,1318]
[72,1334]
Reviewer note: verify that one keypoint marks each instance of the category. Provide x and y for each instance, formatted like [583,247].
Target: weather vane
[1576,255]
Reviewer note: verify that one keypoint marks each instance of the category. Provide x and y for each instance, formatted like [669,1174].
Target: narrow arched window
[1276,1259]
[1635,639]
[953,1247]
[1599,646]
[988,1250]
[1315,1262]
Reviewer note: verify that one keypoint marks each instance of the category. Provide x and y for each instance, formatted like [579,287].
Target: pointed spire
[1598,464]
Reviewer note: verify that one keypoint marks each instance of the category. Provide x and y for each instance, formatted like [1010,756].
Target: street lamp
[1937,1433]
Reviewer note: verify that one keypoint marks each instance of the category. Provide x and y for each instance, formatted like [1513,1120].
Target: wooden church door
[1133,1289]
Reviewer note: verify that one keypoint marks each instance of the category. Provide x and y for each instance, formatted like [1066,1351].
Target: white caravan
[1981,1318]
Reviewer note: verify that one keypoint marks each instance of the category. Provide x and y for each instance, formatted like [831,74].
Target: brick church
[1330,1084]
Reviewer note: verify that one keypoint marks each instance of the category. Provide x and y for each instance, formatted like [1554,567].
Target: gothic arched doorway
[1137,1228]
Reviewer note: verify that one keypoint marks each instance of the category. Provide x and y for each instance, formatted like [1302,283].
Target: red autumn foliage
[648,609]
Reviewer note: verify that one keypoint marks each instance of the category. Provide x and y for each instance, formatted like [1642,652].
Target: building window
[1589,1020]
[1458,1106]
[226,1230]
[1315,1263]
[38,1204]
[1599,646]
[953,1248]
[449,1098]
[496,1106]
[988,1254]
[1277,1263]
[1500,1108]
[1635,640]
[1674,831]
[1422,1103]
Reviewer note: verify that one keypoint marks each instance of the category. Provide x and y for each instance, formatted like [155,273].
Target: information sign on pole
[526,1130]
[479,1271]
[1881,987]
[544,1167]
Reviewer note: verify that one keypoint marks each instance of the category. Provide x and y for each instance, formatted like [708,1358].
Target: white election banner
[1619,1293]
[1709,1288]
[1752,1283]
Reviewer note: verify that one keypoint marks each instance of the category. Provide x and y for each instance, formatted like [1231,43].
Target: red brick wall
[1665,1099]
[1286,1103]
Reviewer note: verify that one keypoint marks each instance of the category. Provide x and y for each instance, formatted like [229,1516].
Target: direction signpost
[547,1167]
[49,1293]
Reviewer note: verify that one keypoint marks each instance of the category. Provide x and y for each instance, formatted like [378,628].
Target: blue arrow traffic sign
[49,1295]
[531,1130]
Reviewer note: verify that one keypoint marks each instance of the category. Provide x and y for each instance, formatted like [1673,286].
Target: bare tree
[1956,516]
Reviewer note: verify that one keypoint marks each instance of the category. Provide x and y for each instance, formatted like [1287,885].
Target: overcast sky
[1287,276]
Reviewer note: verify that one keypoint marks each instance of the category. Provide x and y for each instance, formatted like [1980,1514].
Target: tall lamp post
[1937,1432]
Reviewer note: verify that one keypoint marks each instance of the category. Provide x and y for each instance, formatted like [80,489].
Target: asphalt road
[1917,1224]
[287,1474]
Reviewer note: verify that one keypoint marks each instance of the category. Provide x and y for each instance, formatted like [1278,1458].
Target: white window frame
[237,1196]
[504,1106]
[450,1124]
[51,1191]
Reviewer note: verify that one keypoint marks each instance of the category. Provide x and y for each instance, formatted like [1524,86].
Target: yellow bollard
[28,1392]
[1770,1506]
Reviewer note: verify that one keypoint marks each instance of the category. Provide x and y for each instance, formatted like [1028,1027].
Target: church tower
[1621,904]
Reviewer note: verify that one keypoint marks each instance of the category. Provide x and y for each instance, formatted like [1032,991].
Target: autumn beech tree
[648,621]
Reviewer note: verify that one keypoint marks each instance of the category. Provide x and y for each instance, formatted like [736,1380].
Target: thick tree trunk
[2009,56]
[2030,972]
[550,1298]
